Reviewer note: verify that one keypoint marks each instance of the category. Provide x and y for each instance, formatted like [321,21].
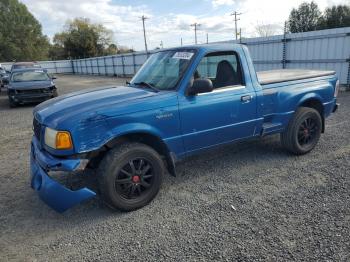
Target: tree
[305,18]
[125,49]
[263,29]
[81,38]
[21,36]
[111,49]
[335,16]
[57,50]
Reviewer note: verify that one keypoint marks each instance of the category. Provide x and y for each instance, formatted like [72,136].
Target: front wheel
[303,131]
[12,103]
[130,176]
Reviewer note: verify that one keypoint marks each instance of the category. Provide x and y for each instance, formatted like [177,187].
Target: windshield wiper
[148,85]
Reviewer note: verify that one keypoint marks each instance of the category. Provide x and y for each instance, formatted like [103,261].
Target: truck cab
[182,101]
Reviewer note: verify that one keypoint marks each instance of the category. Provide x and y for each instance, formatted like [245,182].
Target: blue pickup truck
[181,102]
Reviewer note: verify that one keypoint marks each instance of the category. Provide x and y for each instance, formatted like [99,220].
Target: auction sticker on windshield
[183,55]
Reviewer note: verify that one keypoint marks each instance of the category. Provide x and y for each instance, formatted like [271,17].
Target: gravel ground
[247,202]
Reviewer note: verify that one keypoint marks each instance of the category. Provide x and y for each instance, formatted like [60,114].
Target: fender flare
[145,134]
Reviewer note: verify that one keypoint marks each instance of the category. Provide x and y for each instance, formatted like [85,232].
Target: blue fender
[309,96]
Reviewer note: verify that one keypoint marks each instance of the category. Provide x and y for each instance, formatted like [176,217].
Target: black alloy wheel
[307,132]
[130,176]
[303,131]
[135,178]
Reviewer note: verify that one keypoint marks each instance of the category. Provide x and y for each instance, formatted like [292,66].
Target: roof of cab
[207,47]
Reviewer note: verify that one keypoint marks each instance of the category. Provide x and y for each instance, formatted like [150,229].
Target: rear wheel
[130,176]
[303,131]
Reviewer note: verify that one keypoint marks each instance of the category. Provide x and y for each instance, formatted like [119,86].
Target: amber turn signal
[63,140]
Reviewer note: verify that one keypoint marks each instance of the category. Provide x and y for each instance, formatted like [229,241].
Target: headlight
[11,91]
[49,89]
[58,139]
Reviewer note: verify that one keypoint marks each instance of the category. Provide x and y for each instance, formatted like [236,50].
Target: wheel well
[144,138]
[148,139]
[317,105]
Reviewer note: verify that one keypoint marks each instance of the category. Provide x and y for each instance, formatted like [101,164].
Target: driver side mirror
[199,86]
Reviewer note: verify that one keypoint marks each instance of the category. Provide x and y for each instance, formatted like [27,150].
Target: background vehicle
[181,102]
[4,75]
[30,85]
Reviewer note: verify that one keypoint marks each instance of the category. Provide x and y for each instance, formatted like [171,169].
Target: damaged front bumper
[51,192]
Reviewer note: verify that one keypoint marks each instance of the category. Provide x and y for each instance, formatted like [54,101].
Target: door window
[222,68]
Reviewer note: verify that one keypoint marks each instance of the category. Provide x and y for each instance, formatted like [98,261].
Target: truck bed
[283,75]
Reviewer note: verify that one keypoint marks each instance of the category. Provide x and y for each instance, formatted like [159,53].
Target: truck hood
[89,103]
[31,85]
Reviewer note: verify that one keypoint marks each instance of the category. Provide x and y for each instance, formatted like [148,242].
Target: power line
[235,14]
[143,18]
[195,25]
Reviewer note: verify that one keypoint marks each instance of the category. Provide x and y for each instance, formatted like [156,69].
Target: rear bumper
[335,108]
[51,192]
[330,107]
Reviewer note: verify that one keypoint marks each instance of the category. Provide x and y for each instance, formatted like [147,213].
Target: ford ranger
[182,101]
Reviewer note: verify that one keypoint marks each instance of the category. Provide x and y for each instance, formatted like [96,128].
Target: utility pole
[195,25]
[207,39]
[161,44]
[181,41]
[235,14]
[144,31]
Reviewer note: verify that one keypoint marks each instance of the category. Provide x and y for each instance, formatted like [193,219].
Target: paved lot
[285,207]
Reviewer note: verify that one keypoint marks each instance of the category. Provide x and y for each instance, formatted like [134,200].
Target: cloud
[124,19]
[217,3]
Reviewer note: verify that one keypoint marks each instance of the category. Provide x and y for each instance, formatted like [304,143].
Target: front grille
[37,128]
[33,91]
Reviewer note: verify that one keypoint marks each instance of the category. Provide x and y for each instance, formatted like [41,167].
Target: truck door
[227,113]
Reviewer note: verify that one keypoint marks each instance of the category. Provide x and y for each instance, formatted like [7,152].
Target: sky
[168,21]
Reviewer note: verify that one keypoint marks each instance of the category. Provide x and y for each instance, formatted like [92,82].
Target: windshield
[23,66]
[29,76]
[163,70]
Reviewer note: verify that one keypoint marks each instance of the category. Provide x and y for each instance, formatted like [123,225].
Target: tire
[12,103]
[121,187]
[303,131]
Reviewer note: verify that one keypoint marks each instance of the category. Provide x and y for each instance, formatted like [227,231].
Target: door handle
[246,99]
